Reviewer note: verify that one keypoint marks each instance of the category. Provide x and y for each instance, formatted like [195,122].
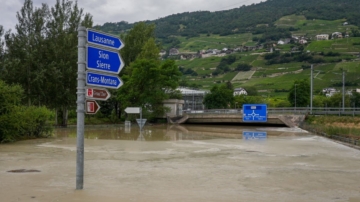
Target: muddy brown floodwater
[183,164]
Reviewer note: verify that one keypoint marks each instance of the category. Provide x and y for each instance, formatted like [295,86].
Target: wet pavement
[182,163]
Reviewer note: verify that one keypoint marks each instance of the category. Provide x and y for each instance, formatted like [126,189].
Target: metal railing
[285,110]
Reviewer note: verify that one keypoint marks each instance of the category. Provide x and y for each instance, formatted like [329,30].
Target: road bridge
[291,117]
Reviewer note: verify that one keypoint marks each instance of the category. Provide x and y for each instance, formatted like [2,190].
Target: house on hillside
[336,35]
[283,41]
[322,37]
[330,91]
[239,91]
[345,23]
[174,51]
[162,53]
[303,41]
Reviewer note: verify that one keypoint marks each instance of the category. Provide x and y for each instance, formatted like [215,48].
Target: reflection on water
[178,132]
[254,135]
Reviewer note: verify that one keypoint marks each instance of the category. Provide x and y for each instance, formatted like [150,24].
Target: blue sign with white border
[103,39]
[254,135]
[103,80]
[255,113]
[103,60]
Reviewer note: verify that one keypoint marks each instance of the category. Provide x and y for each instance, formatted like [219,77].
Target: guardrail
[285,110]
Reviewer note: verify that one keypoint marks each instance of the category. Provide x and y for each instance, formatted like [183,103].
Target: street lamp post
[295,96]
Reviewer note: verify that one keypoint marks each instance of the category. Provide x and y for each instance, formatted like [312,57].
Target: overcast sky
[125,10]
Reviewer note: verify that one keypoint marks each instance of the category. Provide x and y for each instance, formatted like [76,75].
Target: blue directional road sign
[254,135]
[103,60]
[255,113]
[103,80]
[105,40]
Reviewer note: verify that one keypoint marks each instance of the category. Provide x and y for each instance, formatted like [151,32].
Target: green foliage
[251,90]
[243,67]
[135,41]
[19,122]
[302,94]
[355,99]
[220,97]
[240,100]
[148,83]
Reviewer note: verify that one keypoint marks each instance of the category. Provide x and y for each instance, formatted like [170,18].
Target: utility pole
[295,96]
[343,90]
[311,88]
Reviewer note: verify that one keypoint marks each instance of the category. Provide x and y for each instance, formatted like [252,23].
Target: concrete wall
[176,107]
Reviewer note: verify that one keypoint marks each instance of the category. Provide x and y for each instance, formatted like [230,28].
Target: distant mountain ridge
[245,18]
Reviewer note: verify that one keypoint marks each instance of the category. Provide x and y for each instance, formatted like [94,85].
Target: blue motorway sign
[103,80]
[254,112]
[254,135]
[102,39]
[103,60]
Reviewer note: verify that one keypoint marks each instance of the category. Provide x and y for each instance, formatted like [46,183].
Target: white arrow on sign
[132,110]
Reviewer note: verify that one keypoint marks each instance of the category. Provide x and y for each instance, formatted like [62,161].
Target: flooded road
[182,163]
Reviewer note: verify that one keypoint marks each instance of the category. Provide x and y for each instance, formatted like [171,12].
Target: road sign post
[100,60]
[97,94]
[103,39]
[132,110]
[103,80]
[92,107]
[255,113]
[80,118]
[103,60]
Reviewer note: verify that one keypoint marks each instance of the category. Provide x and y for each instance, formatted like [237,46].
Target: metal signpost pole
[295,97]
[141,119]
[311,89]
[80,108]
[343,91]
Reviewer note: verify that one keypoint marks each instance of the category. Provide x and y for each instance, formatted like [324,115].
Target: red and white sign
[97,94]
[92,107]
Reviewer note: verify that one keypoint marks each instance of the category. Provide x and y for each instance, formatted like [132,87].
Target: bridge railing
[285,110]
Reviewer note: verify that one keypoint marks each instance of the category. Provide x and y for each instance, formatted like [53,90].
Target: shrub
[20,122]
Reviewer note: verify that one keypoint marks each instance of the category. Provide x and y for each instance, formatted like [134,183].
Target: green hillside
[263,25]
[276,79]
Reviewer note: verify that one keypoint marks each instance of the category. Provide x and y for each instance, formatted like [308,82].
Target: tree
[220,97]
[64,19]
[243,67]
[355,99]
[149,83]
[302,93]
[141,49]
[251,91]
[2,53]
[336,100]
[135,40]
[42,54]
[26,49]
[246,99]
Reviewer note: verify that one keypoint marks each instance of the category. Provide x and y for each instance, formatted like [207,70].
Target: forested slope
[245,18]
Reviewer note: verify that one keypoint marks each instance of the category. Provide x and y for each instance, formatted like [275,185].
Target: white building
[303,41]
[240,91]
[330,91]
[322,37]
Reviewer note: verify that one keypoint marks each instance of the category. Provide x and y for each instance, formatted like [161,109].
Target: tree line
[221,97]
